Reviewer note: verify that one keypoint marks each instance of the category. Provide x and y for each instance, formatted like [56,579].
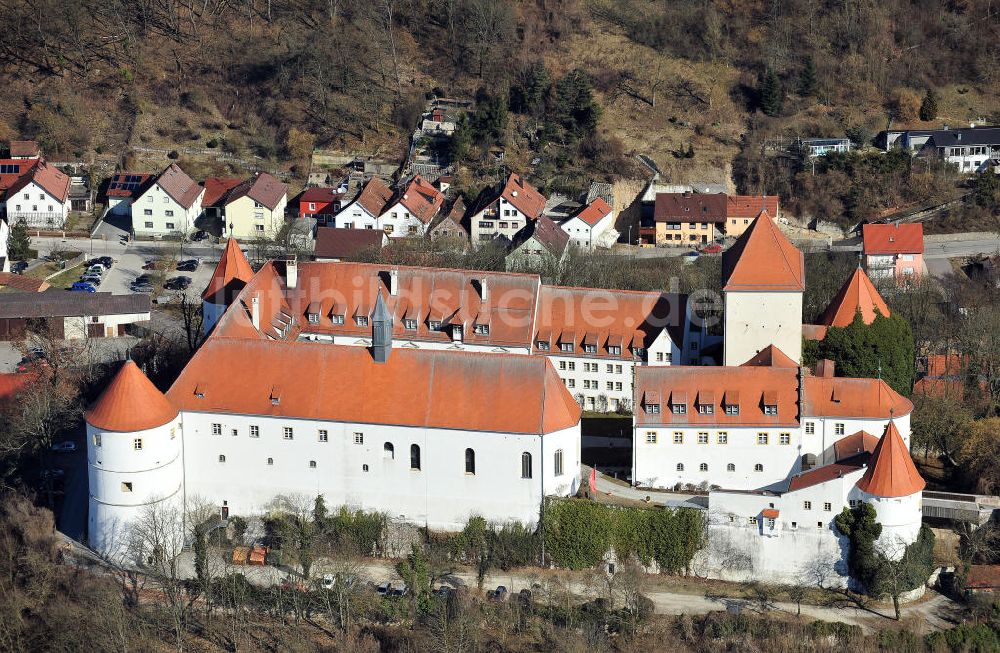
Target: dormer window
[590,349]
[435,325]
[313,318]
[482,329]
[706,409]
[410,324]
[337,319]
[361,320]
[543,345]
[638,352]
[678,408]
[770,409]
[732,409]
[566,346]
[456,332]
[653,409]
[615,350]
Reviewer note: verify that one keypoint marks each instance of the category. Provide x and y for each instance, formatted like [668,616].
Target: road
[963,245]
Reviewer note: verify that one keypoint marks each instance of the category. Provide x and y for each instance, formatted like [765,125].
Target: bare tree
[157,538]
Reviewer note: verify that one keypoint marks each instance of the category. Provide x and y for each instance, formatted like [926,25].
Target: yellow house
[255,208]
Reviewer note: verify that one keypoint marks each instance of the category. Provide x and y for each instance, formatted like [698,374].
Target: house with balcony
[39,197]
[893,251]
[689,219]
[168,205]
[971,149]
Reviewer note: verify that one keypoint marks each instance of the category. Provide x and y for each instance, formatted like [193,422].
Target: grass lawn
[66,278]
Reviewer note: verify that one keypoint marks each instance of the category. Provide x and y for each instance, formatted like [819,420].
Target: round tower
[134,460]
[894,487]
[230,276]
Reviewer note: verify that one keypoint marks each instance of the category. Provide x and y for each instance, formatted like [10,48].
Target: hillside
[697,86]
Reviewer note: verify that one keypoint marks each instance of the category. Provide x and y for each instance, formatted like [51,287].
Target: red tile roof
[216,190]
[893,238]
[130,403]
[319,195]
[858,293]
[853,445]
[179,186]
[770,513]
[763,259]
[421,388]
[742,386]
[231,274]
[374,196]
[523,196]
[12,170]
[891,472]
[54,181]
[750,206]
[128,184]
[262,188]
[546,233]
[770,356]
[342,243]
[421,199]
[820,475]
[941,365]
[845,397]
[690,207]
[24,148]
[594,212]
[19,283]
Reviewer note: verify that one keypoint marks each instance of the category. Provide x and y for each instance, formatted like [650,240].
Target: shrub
[173,155]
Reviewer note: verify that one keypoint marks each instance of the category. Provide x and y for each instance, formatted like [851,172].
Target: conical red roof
[130,403]
[763,259]
[231,274]
[857,294]
[891,472]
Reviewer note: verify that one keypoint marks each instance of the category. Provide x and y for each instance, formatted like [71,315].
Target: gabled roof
[320,195]
[179,186]
[853,445]
[128,184]
[763,259]
[71,304]
[858,293]
[24,148]
[216,189]
[846,397]
[332,242]
[18,283]
[54,181]
[770,356]
[12,170]
[750,206]
[420,388]
[130,403]
[546,233]
[523,196]
[374,196]
[421,199]
[887,239]
[891,472]
[594,212]
[690,207]
[820,475]
[261,188]
[230,276]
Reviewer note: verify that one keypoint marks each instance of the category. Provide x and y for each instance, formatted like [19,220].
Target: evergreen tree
[861,529]
[575,109]
[527,95]
[929,108]
[771,94]
[461,140]
[489,122]
[881,349]
[19,243]
[807,79]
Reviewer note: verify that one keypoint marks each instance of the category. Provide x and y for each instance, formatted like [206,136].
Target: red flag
[593,480]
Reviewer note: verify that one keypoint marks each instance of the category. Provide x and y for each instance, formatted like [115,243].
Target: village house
[689,219]
[971,149]
[586,229]
[539,243]
[321,204]
[814,147]
[893,251]
[364,210]
[25,150]
[254,208]
[337,244]
[168,205]
[213,202]
[122,189]
[411,210]
[447,228]
[741,210]
[39,197]
[505,210]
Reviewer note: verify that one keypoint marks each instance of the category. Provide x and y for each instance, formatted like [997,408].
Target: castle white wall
[440,495]
[124,481]
[828,430]
[755,320]
[900,517]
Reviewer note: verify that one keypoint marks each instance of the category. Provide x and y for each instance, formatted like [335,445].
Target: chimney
[825,368]
[480,285]
[291,273]
[393,282]
[255,312]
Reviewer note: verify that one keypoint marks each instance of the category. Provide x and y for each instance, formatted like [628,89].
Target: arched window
[703,467]
[559,462]
[680,467]
[758,467]
[388,451]
[525,465]
[730,467]
[312,464]
[414,456]
[222,458]
[470,461]
[270,461]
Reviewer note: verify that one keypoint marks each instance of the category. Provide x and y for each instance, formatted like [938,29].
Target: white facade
[398,222]
[4,245]
[75,327]
[501,218]
[37,207]
[900,518]
[128,472]
[757,319]
[587,237]
[156,213]
[354,216]
[970,158]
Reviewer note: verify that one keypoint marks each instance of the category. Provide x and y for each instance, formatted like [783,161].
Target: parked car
[17,267]
[65,445]
[199,235]
[149,265]
[91,278]
[97,267]
[712,248]
[82,286]
[141,287]
[106,261]
[189,265]
[178,283]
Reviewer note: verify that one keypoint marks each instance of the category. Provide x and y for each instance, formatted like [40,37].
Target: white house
[410,211]
[168,206]
[971,149]
[39,197]
[505,210]
[425,436]
[123,188]
[364,210]
[587,227]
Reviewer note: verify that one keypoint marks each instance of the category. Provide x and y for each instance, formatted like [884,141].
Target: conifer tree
[771,94]
[929,108]
[807,79]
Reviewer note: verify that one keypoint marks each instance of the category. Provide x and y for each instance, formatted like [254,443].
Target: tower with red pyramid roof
[230,276]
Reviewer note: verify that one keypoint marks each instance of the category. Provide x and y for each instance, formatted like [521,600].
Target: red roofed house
[167,205]
[688,219]
[25,150]
[216,191]
[321,204]
[893,250]
[255,208]
[39,197]
[763,277]
[589,224]
[505,210]
[122,190]
[335,244]
[364,210]
[411,210]
[742,209]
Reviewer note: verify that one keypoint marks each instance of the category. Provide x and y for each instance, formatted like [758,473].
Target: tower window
[730,467]
[470,461]
[415,456]
[222,458]
[216,429]
[388,451]
[270,461]
[525,465]
[126,487]
[323,435]
[559,462]
[758,467]
[288,433]
[137,444]
[254,431]
[312,464]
